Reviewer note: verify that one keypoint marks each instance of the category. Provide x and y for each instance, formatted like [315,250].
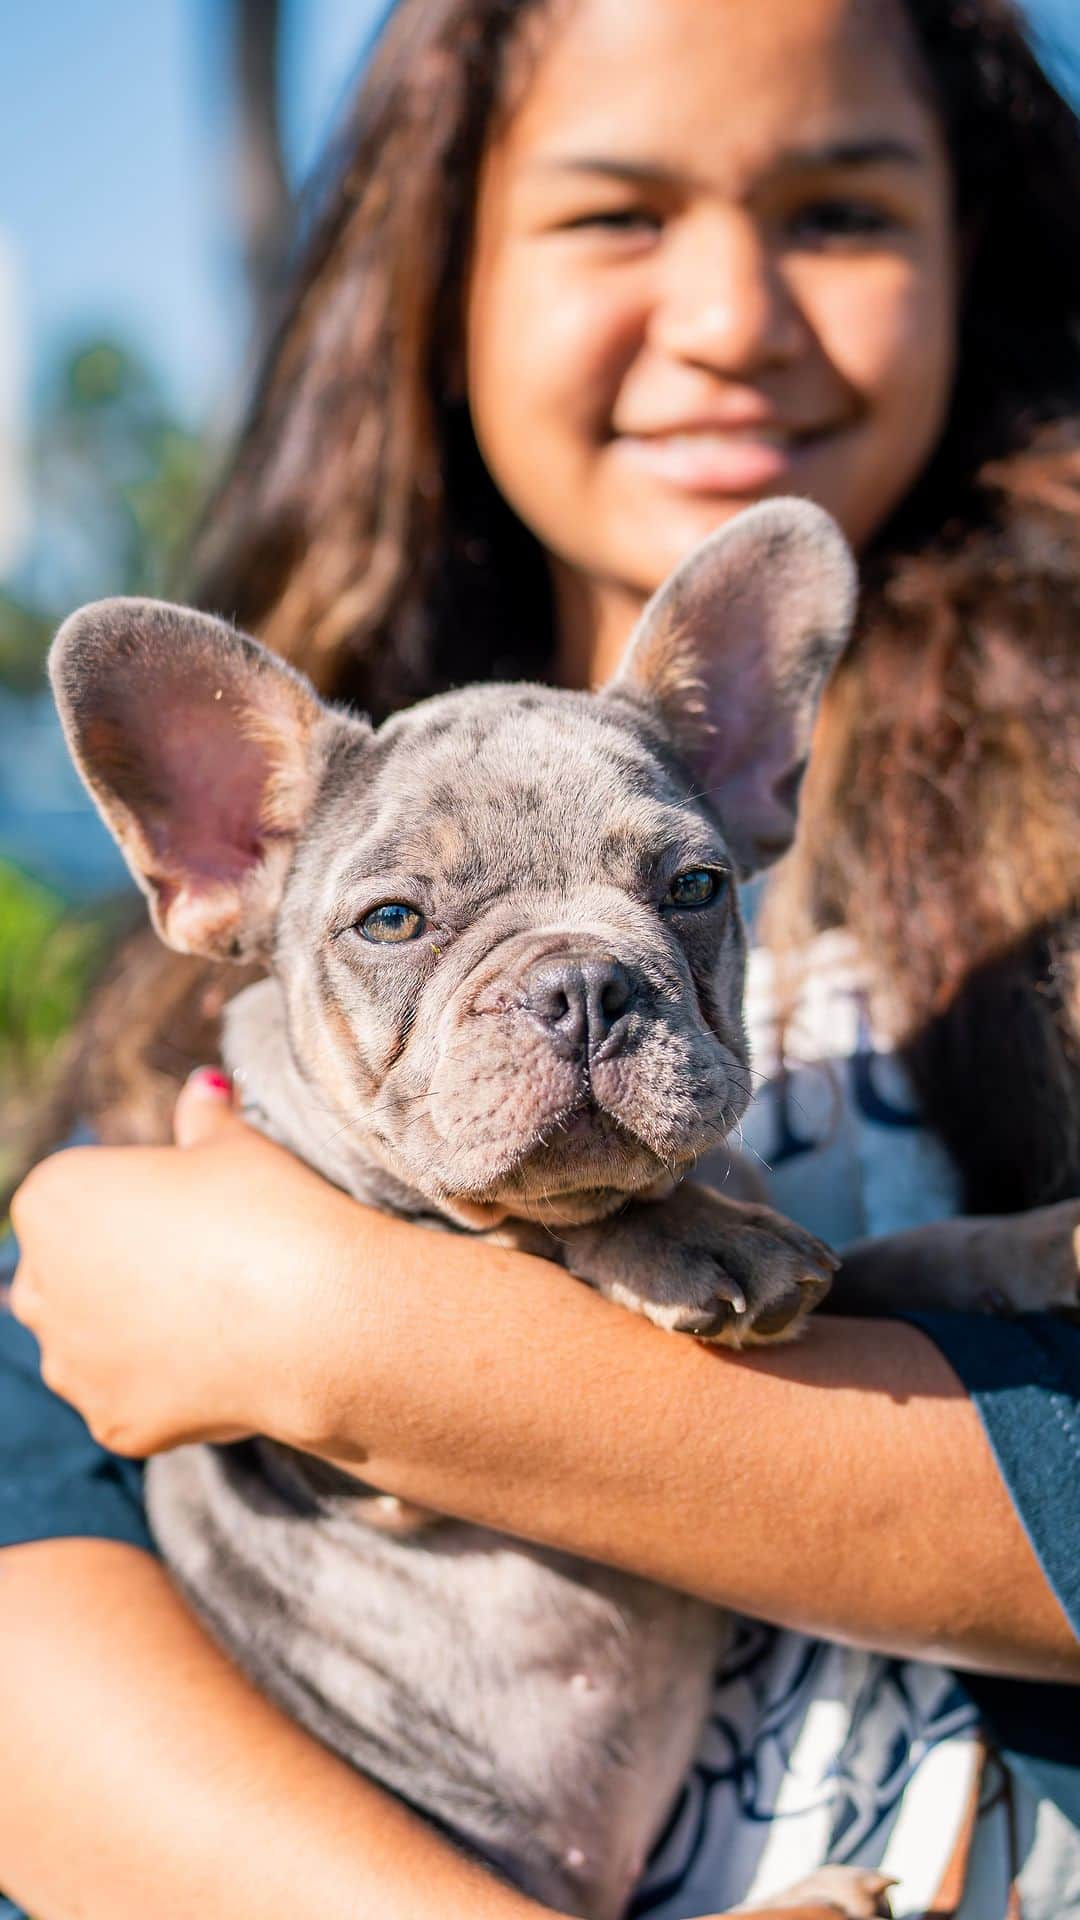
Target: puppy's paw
[1030,1262]
[857,1892]
[860,1893]
[697,1263]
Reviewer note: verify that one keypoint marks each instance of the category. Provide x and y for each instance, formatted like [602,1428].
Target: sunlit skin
[724,270]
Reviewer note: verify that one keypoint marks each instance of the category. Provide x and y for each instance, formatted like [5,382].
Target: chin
[559,1190]
[653,545]
[574,1207]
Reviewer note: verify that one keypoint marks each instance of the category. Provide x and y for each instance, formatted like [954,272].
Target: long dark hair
[358,532]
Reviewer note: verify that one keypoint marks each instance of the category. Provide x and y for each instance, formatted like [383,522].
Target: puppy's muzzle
[580,1003]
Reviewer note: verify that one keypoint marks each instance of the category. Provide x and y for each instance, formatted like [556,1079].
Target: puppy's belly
[543,1710]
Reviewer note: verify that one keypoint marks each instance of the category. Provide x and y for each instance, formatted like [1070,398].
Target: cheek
[545,357]
[897,336]
[890,334]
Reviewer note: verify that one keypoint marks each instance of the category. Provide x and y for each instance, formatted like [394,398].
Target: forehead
[717,87]
[501,784]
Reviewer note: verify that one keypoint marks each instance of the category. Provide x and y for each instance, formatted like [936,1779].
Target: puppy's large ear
[734,651]
[196,745]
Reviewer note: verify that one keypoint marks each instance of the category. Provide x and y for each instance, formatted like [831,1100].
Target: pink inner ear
[207,788]
[735,650]
[198,760]
[195,743]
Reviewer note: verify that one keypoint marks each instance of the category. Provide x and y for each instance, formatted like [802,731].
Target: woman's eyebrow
[638,172]
[882,152]
[877,152]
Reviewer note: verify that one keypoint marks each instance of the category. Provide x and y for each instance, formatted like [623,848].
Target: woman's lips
[719,463]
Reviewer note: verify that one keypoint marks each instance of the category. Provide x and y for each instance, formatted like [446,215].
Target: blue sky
[113,161]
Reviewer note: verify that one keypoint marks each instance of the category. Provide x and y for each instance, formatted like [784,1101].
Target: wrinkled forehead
[508,786]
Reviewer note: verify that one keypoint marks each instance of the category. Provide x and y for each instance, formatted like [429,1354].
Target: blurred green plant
[24,637]
[115,482]
[49,954]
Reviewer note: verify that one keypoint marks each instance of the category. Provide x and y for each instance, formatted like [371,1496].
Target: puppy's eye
[697,887]
[393,922]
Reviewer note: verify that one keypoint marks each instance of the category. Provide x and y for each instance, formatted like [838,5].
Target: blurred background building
[151,156]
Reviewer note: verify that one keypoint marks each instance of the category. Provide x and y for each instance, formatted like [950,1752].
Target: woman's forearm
[143,1775]
[842,1485]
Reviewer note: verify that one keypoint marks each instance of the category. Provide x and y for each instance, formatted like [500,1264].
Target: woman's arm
[842,1485]
[143,1775]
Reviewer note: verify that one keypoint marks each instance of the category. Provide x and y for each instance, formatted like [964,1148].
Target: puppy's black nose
[579,1001]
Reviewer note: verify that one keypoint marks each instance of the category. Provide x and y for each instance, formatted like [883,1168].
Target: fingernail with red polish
[212,1082]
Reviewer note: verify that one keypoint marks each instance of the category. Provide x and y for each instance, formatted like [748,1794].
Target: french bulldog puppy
[506,965]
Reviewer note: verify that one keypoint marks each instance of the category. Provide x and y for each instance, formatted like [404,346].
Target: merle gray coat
[506,971]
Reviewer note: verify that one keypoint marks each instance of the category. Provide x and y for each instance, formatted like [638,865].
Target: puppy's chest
[540,1709]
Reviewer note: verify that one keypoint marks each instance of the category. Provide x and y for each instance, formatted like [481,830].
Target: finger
[204,1110]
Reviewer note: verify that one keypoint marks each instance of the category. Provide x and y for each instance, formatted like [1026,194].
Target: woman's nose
[724,303]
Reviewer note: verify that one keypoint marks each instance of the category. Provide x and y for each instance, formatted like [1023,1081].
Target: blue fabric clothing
[1024,1378]
[1023,1375]
[55,1480]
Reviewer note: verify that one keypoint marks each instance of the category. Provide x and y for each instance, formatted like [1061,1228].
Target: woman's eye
[614,220]
[393,922]
[841,220]
[697,887]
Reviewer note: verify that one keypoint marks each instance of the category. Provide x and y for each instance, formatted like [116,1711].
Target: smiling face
[713,260]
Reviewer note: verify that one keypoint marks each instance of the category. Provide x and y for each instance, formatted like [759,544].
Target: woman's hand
[167,1286]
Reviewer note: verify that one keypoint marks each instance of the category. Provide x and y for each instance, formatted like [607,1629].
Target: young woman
[592,275]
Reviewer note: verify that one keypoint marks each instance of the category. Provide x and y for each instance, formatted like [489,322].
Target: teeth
[719,437]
